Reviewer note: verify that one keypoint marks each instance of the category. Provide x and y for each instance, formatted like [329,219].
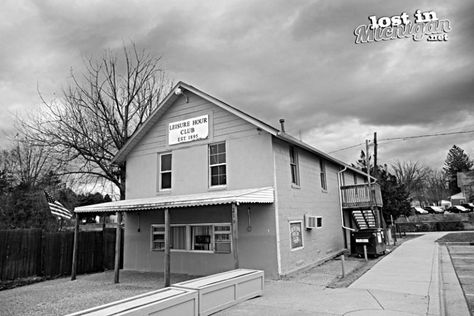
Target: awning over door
[257,195]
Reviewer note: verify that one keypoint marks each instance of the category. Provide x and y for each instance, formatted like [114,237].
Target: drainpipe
[340,201]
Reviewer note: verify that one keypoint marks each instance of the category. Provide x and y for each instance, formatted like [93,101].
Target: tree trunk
[122,175]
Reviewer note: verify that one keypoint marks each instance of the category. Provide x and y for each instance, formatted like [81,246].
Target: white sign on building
[189,130]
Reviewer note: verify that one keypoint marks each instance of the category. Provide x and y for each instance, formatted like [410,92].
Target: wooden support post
[342,264]
[74,249]
[118,242]
[235,235]
[378,215]
[167,262]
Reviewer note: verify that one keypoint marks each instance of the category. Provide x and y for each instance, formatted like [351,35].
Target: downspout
[340,201]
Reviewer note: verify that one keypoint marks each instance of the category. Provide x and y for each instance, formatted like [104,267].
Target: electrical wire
[394,139]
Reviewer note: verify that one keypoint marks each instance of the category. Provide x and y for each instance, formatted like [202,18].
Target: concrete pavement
[462,260]
[405,282]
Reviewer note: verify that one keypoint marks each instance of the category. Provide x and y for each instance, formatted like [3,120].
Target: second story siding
[248,153]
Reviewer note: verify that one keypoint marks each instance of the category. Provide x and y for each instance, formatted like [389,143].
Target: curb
[452,300]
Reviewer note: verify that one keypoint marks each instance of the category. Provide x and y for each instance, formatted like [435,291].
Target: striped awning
[257,195]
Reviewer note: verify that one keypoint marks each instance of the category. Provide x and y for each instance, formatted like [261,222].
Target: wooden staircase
[364,219]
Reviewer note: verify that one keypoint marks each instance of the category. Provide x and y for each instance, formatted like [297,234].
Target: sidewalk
[405,282]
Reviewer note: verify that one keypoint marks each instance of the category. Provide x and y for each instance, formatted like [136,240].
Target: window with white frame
[165,168]
[201,237]
[322,168]
[295,177]
[222,239]
[157,237]
[213,238]
[217,164]
[177,237]
[296,235]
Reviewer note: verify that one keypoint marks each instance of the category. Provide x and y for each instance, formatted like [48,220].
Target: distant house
[465,182]
[239,192]
[458,199]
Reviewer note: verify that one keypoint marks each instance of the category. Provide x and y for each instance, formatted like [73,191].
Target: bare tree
[413,175]
[436,188]
[26,164]
[98,112]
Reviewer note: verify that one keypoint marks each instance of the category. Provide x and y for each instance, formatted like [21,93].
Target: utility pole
[367,160]
[375,155]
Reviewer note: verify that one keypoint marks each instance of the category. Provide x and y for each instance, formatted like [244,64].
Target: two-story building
[236,192]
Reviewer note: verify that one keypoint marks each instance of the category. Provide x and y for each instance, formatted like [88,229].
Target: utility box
[373,239]
[219,291]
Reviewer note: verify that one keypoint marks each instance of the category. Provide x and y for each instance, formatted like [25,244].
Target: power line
[427,135]
[393,139]
[335,151]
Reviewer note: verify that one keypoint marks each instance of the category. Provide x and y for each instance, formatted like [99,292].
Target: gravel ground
[62,296]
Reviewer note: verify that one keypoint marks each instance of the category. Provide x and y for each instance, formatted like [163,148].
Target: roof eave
[169,99]
[294,141]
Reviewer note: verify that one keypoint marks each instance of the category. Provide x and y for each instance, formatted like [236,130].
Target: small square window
[319,222]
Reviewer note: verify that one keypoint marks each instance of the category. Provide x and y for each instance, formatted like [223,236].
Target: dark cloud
[273,59]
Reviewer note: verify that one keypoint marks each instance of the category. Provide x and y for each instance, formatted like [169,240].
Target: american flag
[57,208]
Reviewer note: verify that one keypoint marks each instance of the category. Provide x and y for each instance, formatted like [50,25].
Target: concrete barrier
[219,291]
[169,301]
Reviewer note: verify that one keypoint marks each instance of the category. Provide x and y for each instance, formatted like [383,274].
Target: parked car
[458,209]
[469,206]
[419,210]
[434,210]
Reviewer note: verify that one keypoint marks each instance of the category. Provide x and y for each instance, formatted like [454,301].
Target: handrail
[358,195]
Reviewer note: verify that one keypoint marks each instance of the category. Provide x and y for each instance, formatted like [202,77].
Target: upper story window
[217,164]
[322,168]
[165,172]
[355,178]
[295,177]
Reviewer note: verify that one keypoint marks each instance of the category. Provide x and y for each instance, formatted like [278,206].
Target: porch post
[74,249]
[167,248]
[235,235]
[118,242]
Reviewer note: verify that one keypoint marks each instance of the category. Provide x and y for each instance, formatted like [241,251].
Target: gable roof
[172,97]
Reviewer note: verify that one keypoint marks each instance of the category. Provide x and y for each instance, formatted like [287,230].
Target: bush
[447,226]
[431,226]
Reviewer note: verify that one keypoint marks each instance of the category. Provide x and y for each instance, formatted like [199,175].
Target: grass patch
[457,237]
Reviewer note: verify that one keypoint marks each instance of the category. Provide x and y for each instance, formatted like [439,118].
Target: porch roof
[256,195]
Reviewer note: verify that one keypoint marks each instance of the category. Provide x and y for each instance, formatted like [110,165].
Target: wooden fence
[32,252]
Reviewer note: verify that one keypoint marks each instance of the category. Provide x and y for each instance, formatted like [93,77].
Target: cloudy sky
[273,59]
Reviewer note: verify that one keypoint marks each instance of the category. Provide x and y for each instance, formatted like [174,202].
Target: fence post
[118,240]
[167,248]
[342,264]
[74,249]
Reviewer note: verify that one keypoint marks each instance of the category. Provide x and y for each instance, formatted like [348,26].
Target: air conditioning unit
[309,221]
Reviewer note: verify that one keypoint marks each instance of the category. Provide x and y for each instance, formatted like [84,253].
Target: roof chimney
[282,123]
